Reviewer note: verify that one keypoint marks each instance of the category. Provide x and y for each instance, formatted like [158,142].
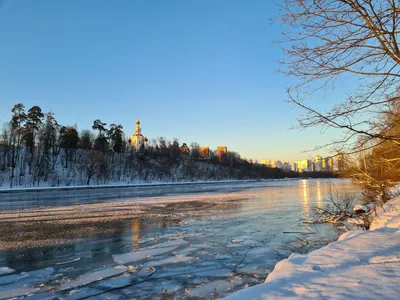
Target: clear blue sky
[201,71]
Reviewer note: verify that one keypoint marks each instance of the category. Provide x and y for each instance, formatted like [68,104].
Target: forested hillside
[35,150]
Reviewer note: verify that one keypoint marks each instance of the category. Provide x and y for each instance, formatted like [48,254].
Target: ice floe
[170,260]
[12,278]
[83,293]
[213,288]
[68,261]
[170,243]
[12,292]
[118,282]
[140,255]
[6,271]
[93,276]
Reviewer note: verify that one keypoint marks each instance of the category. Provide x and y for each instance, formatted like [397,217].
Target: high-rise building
[266,162]
[338,163]
[277,164]
[317,164]
[327,164]
[302,165]
[222,152]
[286,166]
[204,152]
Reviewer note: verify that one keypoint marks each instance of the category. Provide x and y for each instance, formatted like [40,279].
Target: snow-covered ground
[360,265]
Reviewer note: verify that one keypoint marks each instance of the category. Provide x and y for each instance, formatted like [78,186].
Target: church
[137,139]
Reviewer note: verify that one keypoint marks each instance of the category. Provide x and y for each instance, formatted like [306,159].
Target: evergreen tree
[69,141]
[116,136]
[101,142]
[33,121]
[17,120]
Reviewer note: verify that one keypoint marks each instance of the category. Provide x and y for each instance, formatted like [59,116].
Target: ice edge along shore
[360,265]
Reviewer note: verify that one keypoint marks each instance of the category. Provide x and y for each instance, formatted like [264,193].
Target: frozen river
[188,241]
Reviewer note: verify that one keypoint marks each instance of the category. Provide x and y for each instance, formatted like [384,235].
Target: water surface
[188,241]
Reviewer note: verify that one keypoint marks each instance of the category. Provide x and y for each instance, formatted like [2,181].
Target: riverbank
[360,265]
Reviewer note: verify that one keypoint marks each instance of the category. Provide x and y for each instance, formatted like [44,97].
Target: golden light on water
[306,193]
[319,195]
[135,227]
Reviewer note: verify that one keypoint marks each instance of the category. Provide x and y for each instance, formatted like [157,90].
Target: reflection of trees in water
[34,258]
[62,241]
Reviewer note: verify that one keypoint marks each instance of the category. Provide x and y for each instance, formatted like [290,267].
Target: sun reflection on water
[135,227]
[319,195]
[306,192]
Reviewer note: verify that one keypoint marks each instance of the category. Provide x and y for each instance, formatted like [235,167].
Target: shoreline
[356,266]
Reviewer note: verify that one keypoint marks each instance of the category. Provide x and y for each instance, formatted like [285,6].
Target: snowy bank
[360,265]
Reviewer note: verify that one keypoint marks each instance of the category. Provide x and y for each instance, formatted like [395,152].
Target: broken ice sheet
[171,260]
[168,286]
[27,279]
[44,296]
[105,296]
[140,255]
[117,282]
[187,251]
[223,256]
[220,272]
[6,271]
[12,278]
[93,276]
[146,271]
[12,291]
[83,293]
[142,289]
[68,261]
[170,243]
[256,271]
[41,273]
[218,286]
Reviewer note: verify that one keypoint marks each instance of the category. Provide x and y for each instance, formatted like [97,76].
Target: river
[186,241]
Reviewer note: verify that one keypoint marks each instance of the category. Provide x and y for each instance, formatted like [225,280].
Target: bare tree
[326,40]
[91,164]
[376,171]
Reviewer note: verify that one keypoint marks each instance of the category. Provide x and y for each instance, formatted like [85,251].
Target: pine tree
[17,121]
[116,136]
[101,142]
[69,141]
[33,121]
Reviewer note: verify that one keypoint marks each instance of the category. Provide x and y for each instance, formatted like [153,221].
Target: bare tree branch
[327,39]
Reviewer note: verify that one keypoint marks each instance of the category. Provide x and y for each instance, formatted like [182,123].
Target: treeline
[35,150]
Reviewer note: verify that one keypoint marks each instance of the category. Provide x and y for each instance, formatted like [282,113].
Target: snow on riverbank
[360,265]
